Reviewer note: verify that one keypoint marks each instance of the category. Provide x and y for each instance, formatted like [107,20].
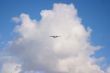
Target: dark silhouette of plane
[54,36]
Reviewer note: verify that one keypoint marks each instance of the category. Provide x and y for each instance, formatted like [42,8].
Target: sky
[14,14]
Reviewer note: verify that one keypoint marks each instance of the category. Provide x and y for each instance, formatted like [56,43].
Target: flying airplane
[54,36]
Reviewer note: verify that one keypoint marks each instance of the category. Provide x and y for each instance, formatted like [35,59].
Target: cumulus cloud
[38,52]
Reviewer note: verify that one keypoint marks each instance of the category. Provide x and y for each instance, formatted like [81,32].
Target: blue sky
[94,13]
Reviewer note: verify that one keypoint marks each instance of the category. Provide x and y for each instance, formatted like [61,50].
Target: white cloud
[108,70]
[69,53]
[11,67]
[16,19]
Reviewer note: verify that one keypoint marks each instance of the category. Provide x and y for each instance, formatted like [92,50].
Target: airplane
[54,36]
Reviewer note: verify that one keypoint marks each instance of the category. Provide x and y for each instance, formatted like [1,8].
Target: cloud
[72,52]
[108,70]
[11,67]
[16,19]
